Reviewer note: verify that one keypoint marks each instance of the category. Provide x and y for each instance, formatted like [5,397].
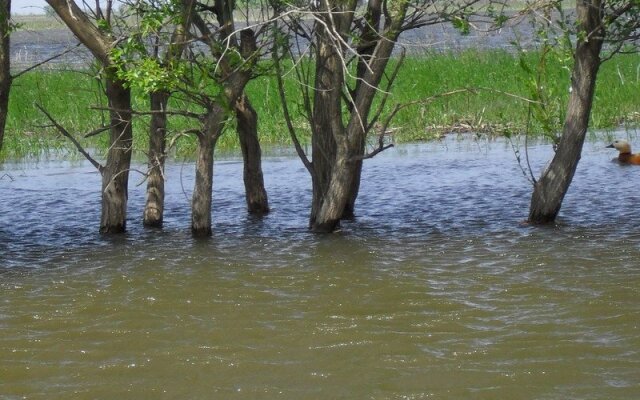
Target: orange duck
[625,156]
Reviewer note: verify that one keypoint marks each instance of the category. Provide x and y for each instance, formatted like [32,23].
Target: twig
[287,115]
[69,136]
[187,114]
[97,131]
[11,178]
[31,68]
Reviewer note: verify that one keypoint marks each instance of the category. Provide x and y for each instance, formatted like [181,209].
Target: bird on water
[625,156]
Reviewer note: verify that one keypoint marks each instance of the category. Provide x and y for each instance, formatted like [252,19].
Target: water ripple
[436,290]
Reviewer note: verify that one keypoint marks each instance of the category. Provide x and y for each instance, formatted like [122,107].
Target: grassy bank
[493,108]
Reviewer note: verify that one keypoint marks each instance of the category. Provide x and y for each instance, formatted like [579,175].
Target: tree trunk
[202,191]
[327,126]
[331,168]
[5,65]
[370,34]
[247,122]
[550,189]
[115,175]
[354,187]
[333,204]
[154,207]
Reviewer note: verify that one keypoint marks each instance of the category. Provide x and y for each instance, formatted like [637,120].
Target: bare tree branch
[73,140]
[31,68]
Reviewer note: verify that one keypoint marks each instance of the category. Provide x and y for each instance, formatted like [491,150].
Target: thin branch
[509,94]
[381,147]
[73,140]
[387,90]
[97,131]
[287,116]
[151,112]
[31,68]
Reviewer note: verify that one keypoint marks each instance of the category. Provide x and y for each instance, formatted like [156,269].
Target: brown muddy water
[436,291]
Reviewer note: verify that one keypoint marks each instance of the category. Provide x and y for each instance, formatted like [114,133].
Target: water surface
[437,290]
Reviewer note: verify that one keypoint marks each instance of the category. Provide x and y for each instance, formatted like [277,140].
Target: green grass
[495,107]
[69,97]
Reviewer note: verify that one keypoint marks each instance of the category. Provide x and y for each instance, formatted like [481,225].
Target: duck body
[625,156]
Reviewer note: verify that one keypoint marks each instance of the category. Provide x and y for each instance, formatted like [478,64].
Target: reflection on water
[437,290]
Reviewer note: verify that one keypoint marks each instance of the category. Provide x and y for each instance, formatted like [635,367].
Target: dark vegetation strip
[494,108]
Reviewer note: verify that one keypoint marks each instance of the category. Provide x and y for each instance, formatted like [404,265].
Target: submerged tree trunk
[349,211]
[115,175]
[5,65]
[327,127]
[153,215]
[247,122]
[233,80]
[333,204]
[154,207]
[550,189]
[203,186]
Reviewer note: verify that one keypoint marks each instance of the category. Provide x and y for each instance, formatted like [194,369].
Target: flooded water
[437,290]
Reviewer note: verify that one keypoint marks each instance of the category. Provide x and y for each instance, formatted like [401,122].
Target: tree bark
[115,175]
[202,192]
[349,211]
[550,189]
[154,207]
[5,65]
[327,128]
[247,125]
[337,194]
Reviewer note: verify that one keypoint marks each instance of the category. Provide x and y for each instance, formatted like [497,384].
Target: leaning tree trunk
[202,191]
[354,187]
[5,65]
[550,189]
[370,37]
[154,207]
[115,175]
[247,122]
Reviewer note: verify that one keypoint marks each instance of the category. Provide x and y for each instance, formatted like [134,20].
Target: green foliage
[140,67]
[148,75]
[461,24]
[548,101]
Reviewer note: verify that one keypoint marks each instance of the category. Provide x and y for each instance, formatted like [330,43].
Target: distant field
[39,21]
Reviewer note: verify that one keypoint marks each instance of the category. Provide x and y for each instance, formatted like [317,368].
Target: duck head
[621,145]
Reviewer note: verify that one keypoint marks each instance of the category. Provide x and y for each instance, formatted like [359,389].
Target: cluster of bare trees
[339,52]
